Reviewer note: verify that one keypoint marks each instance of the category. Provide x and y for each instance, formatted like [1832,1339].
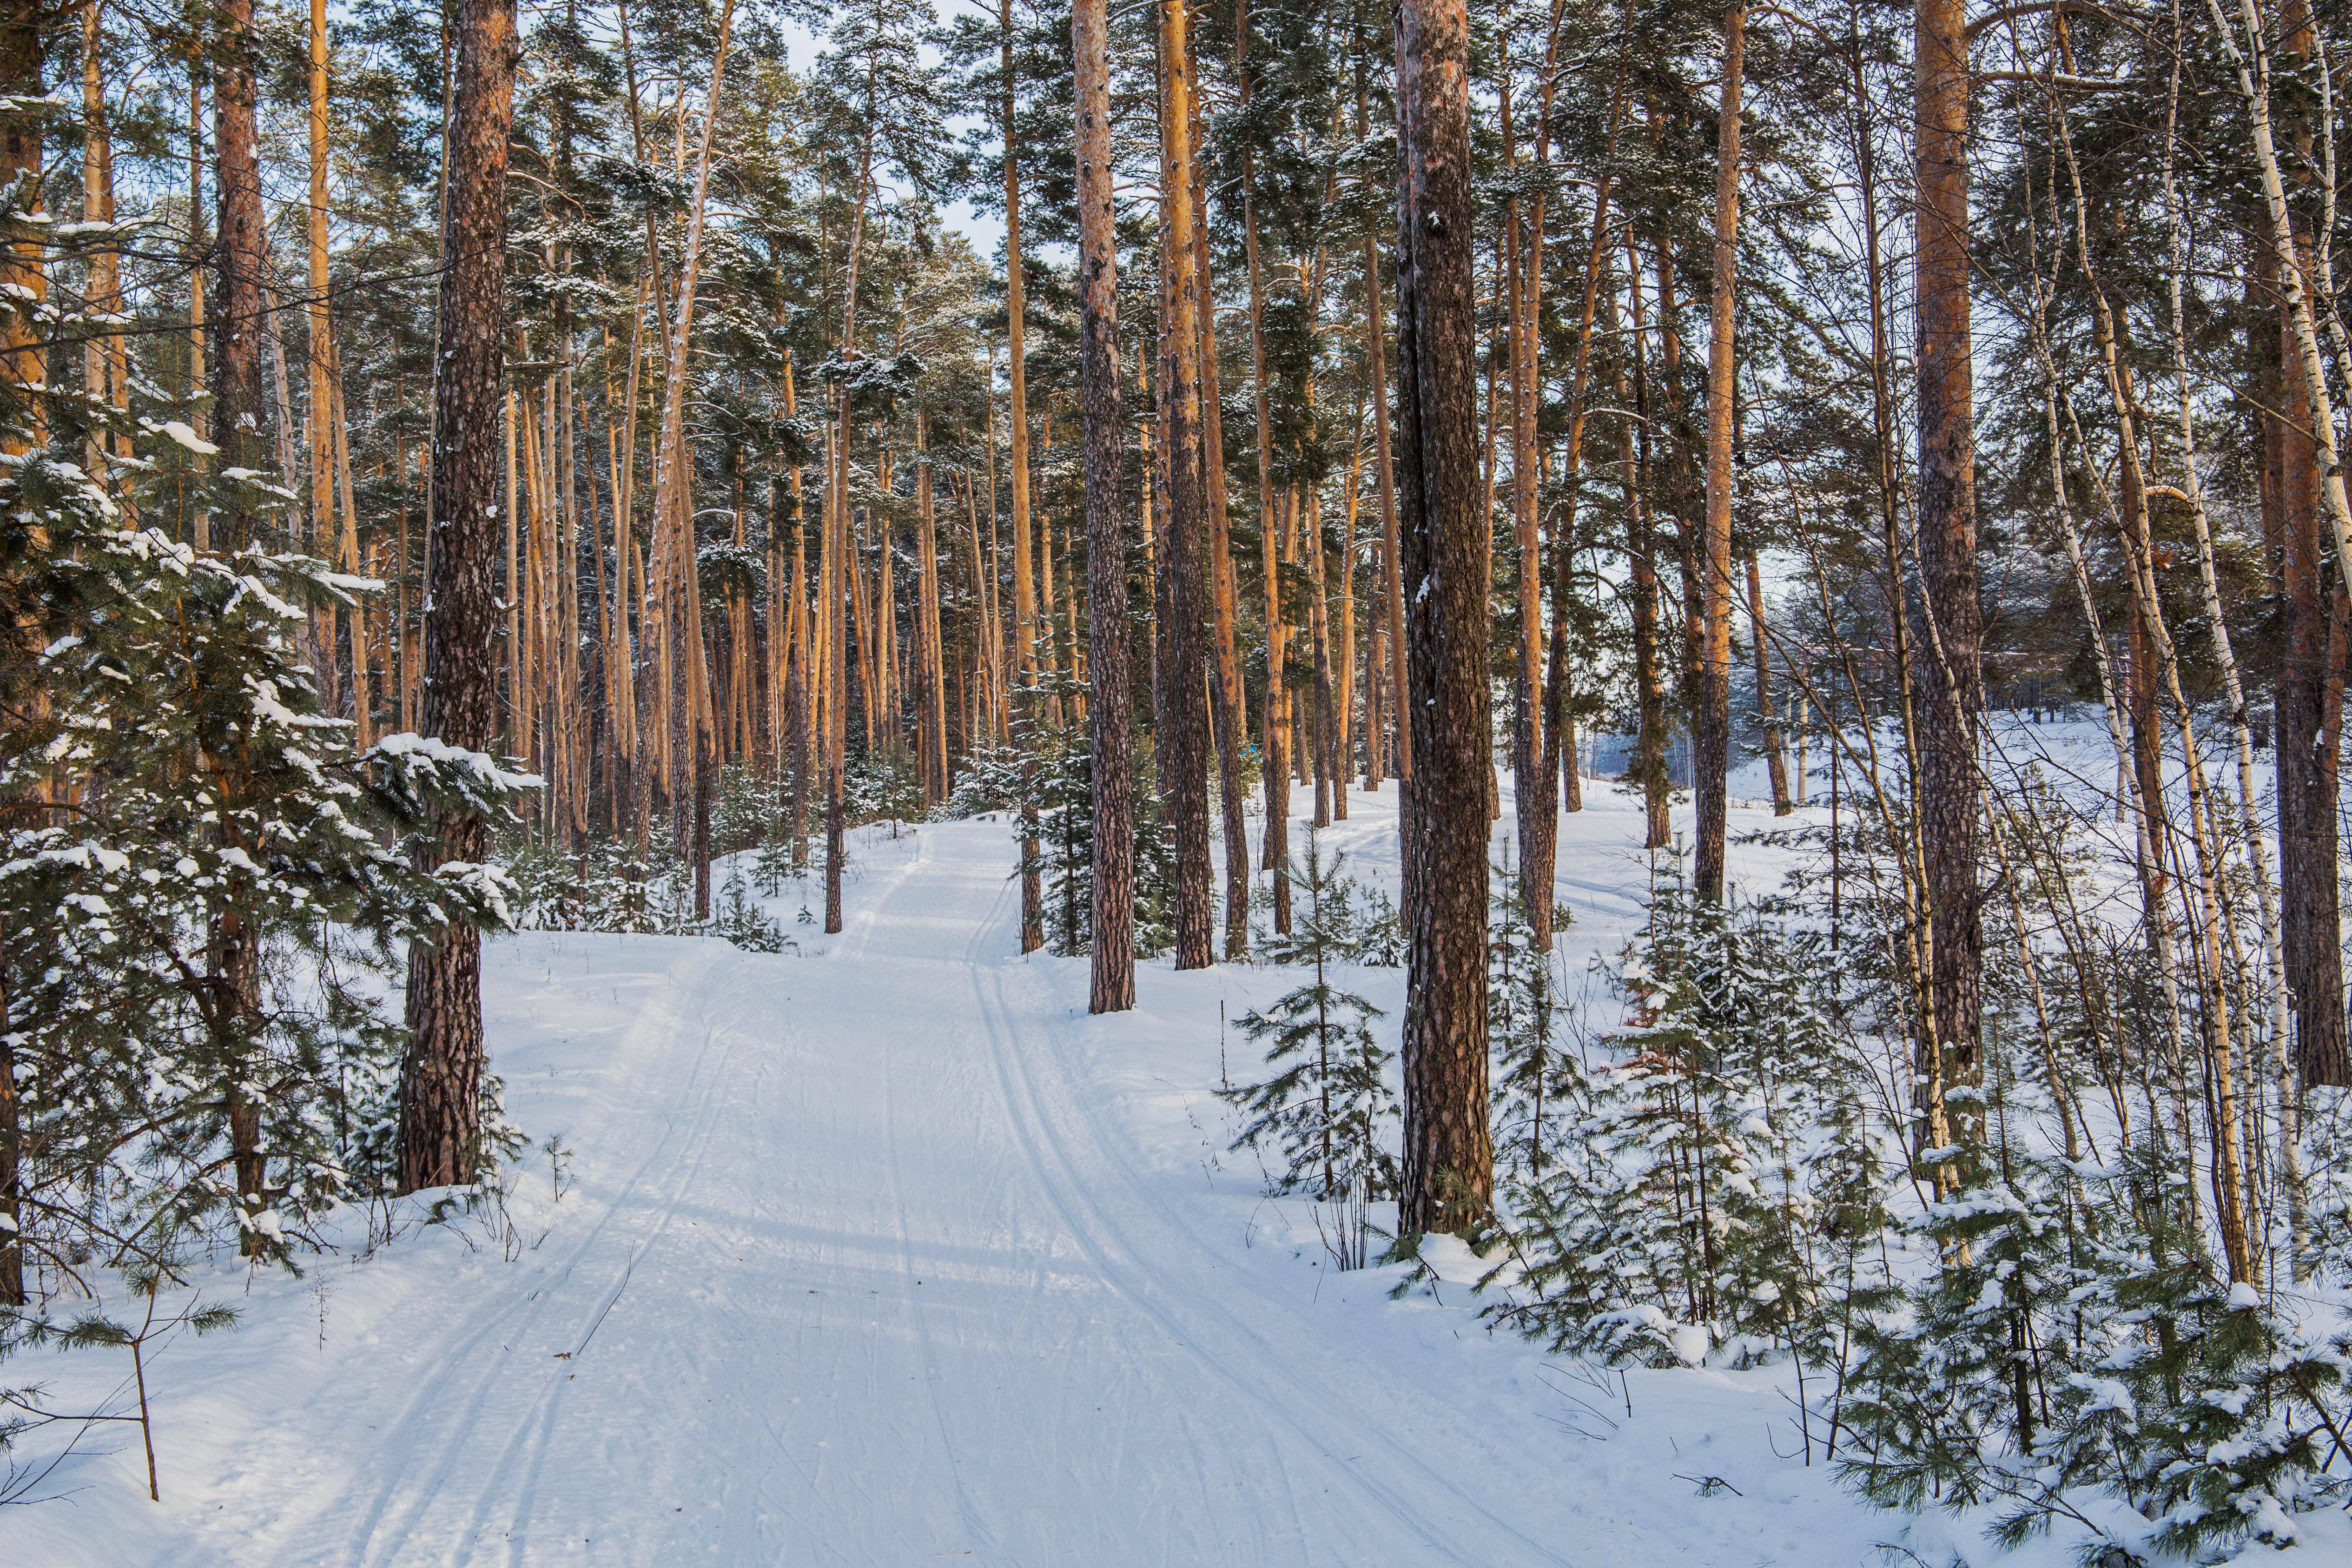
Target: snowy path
[854,1268]
[884,1252]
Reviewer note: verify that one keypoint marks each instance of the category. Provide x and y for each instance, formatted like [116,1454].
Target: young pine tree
[1327,1107]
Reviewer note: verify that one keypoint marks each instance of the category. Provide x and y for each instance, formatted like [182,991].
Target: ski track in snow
[884,1252]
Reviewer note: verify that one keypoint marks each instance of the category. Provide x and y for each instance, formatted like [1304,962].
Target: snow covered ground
[885,1252]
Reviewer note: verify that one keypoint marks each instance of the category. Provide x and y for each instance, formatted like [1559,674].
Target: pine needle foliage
[206,888]
[1706,1189]
[1326,1107]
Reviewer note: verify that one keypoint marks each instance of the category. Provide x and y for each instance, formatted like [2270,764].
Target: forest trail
[857,1266]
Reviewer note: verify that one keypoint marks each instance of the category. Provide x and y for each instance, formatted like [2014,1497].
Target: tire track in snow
[982,1538]
[1109,1150]
[987,928]
[512,1323]
[1031,1125]
[548,1405]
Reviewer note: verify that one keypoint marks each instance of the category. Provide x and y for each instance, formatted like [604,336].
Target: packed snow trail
[853,1267]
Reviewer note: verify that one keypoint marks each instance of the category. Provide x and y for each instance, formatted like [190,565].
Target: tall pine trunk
[1711,725]
[1112,987]
[1534,778]
[1024,588]
[1449,1156]
[1776,756]
[440,1080]
[1183,662]
[20,366]
[234,968]
[1951,681]
[1274,763]
[242,251]
[2308,848]
[1227,705]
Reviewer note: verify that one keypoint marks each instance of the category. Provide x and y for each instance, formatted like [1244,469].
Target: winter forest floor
[882,1252]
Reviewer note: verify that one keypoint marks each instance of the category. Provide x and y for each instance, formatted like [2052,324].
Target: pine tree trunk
[831,683]
[1634,467]
[197,381]
[1318,644]
[1534,777]
[1711,724]
[105,366]
[2308,848]
[1448,1169]
[1112,986]
[323,431]
[930,669]
[242,251]
[440,1081]
[1183,671]
[1393,591]
[12,1137]
[1227,703]
[233,969]
[1024,580]
[1951,679]
[1343,657]
[1275,763]
[799,680]
[20,366]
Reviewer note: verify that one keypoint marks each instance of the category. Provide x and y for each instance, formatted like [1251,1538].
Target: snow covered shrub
[1064,789]
[990,780]
[1375,930]
[738,917]
[1063,785]
[750,810]
[2076,1342]
[2327,1185]
[1966,1362]
[204,889]
[601,886]
[205,935]
[1326,1108]
[883,786]
[782,858]
[1706,1190]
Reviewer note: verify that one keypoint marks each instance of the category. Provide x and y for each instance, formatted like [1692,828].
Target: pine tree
[1705,1191]
[1327,1107]
[168,1086]
[1535,1079]
[440,1082]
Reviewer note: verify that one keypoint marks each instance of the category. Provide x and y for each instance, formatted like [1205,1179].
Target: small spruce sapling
[1327,1107]
[740,919]
[1685,1210]
[1535,1083]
